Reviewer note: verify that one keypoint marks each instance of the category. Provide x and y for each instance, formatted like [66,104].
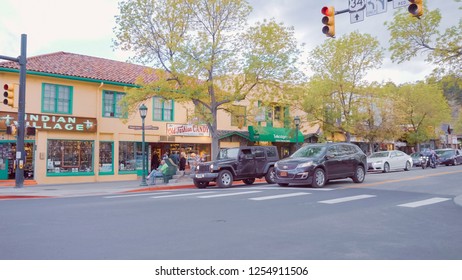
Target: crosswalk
[267,194]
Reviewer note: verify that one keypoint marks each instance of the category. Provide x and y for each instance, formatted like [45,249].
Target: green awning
[274,134]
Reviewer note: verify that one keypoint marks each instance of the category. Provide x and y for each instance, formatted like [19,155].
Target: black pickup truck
[244,163]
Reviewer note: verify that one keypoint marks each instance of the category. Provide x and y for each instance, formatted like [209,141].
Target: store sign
[50,122]
[187,130]
[274,134]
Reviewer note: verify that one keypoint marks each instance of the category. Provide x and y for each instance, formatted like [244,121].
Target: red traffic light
[328,20]
[5,86]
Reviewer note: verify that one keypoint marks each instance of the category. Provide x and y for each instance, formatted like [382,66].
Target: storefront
[285,139]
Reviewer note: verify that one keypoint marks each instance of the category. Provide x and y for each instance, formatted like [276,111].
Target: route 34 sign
[357,5]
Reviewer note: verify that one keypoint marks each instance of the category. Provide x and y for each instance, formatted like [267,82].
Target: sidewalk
[88,189]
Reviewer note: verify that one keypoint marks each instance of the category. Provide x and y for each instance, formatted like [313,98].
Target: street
[398,215]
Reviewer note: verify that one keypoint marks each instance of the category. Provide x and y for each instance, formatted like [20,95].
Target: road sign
[356,5]
[356,16]
[375,7]
[400,3]
[146,127]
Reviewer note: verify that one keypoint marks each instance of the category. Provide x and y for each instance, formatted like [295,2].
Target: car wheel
[249,181]
[319,178]
[386,167]
[200,185]
[360,174]
[270,176]
[225,179]
[283,184]
[408,166]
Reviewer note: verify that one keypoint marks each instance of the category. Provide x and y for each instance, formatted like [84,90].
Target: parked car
[234,164]
[315,164]
[449,156]
[416,159]
[389,160]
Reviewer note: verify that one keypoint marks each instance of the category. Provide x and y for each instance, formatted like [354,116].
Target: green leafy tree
[334,95]
[424,109]
[205,53]
[411,37]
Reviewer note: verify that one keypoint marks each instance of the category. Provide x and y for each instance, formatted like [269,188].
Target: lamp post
[297,124]
[143,112]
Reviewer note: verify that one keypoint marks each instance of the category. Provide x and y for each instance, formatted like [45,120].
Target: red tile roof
[83,66]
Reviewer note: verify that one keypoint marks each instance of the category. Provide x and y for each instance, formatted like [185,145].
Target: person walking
[182,163]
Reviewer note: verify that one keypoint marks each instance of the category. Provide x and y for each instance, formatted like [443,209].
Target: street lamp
[297,124]
[143,112]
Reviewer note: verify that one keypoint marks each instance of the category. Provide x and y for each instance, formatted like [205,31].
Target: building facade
[76,131]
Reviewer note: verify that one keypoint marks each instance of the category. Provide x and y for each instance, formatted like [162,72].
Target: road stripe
[227,194]
[179,195]
[131,195]
[424,202]
[290,188]
[346,199]
[279,196]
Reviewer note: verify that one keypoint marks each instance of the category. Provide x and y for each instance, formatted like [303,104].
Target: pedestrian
[155,161]
[159,172]
[175,157]
[182,163]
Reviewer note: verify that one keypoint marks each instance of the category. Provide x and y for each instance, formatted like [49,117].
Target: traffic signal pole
[20,153]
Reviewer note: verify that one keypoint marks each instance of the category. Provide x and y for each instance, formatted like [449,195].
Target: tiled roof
[83,66]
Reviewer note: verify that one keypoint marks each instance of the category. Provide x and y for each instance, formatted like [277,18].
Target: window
[106,164]
[56,99]
[238,116]
[111,107]
[162,109]
[66,157]
[130,156]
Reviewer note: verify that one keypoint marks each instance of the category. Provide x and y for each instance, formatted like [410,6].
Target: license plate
[199,175]
[283,174]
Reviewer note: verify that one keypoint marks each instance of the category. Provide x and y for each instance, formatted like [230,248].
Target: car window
[271,152]
[228,153]
[259,153]
[314,151]
[379,154]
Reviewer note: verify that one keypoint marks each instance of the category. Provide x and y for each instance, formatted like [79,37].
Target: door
[246,163]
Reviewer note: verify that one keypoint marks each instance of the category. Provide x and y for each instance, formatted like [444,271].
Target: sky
[86,27]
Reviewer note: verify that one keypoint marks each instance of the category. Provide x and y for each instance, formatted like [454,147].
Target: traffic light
[8,94]
[416,8]
[328,20]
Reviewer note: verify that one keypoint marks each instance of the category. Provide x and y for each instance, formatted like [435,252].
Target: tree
[412,36]
[204,52]
[334,94]
[424,108]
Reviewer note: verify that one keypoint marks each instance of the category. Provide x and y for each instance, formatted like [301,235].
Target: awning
[274,134]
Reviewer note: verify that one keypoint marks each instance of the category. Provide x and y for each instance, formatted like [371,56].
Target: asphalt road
[394,216]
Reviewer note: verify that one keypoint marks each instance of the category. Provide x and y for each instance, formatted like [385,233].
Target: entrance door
[3,168]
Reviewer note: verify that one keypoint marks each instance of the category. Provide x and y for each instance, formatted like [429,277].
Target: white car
[389,160]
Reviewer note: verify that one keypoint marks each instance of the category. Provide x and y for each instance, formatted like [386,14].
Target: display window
[106,163]
[69,157]
[130,157]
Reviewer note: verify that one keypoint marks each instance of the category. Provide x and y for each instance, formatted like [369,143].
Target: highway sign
[356,16]
[375,7]
[356,5]
[400,3]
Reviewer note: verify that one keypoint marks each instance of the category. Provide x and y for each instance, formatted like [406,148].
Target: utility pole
[20,153]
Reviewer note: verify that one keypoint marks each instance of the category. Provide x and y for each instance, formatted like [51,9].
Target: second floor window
[162,109]
[56,99]
[111,107]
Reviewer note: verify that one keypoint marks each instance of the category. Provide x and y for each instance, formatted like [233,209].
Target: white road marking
[227,194]
[424,202]
[179,195]
[279,196]
[132,195]
[289,188]
[346,199]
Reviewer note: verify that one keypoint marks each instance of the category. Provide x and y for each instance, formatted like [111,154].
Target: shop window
[162,109]
[66,157]
[106,163]
[56,99]
[130,156]
[111,106]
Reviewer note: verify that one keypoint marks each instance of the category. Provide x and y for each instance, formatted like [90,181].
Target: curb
[11,197]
